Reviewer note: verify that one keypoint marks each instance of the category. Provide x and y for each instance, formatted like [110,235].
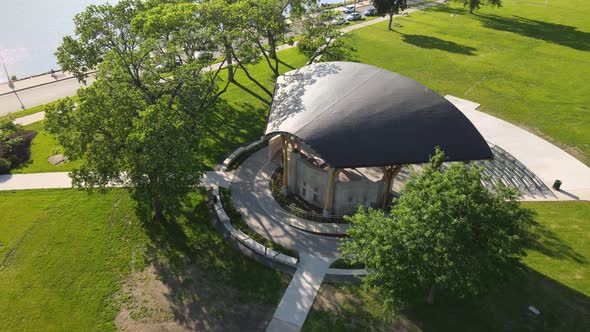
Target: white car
[354,16]
[348,9]
[338,20]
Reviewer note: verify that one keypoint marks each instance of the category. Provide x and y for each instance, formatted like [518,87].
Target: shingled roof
[356,115]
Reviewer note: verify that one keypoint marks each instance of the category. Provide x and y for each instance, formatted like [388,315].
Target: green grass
[43,146]
[242,115]
[563,250]
[525,63]
[558,284]
[65,253]
[63,256]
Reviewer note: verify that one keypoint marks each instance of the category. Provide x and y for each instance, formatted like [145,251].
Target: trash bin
[556,184]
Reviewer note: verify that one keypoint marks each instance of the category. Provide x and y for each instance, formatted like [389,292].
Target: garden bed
[238,222]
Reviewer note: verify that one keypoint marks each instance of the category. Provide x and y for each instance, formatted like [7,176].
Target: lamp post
[11,83]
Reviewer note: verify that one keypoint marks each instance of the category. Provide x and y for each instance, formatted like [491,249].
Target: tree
[446,231]
[476,4]
[389,7]
[321,39]
[135,125]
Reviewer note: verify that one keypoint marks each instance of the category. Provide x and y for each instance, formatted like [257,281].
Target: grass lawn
[243,112]
[65,255]
[525,63]
[558,285]
[43,146]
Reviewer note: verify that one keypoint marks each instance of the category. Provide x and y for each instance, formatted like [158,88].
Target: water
[31,31]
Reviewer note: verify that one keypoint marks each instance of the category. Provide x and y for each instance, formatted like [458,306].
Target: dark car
[370,12]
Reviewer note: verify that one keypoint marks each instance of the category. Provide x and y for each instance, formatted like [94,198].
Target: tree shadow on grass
[439,44]
[506,309]
[251,92]
[548,244]
[559,34]
[229,126]
[209,284]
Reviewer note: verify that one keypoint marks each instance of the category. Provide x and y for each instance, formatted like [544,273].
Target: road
[39,95]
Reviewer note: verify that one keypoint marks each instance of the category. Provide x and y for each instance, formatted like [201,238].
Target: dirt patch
[156,300]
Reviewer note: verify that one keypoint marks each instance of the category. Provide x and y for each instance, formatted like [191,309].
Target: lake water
[31,30]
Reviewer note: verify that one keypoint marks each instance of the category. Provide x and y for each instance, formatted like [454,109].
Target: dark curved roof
[356,115]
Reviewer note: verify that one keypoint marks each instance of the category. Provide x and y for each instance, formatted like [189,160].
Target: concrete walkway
[544,159]
[300,294]
[31,118]
[247,199]
[35,181]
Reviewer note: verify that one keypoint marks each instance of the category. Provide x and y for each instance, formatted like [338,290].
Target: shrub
[15,147]
[4,166]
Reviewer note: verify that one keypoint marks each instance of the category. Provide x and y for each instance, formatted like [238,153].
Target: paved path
[544,159]
[31,118]
[248,202]
[300,294]
[35,181]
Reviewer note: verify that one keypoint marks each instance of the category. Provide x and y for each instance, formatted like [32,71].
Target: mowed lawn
[64,255]
[526,63]
[558,284]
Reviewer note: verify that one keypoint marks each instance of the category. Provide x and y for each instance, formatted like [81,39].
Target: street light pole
[11,83]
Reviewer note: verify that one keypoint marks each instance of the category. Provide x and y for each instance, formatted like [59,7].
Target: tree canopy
[139,124]
[322,39]
[446,231]
[476,4]
[389,7]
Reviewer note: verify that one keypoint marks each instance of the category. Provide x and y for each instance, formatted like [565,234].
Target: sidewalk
[300,294]
[35,181]
[31,82]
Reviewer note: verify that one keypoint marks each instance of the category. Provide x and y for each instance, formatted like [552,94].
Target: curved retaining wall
[245,239]
[264,254]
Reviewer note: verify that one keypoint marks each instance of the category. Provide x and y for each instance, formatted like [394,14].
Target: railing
[296,209]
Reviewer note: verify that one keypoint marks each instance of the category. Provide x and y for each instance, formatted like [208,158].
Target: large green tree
[322,40]
[139,124]
[446,231]
[476,4]
[389,7]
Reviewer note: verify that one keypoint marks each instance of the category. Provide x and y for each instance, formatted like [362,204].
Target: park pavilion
[342,132]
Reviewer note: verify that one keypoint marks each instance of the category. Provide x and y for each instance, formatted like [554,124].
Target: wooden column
[332,174]
[390,173]
[285,165]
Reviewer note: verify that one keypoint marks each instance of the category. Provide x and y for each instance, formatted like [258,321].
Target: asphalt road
[40,95]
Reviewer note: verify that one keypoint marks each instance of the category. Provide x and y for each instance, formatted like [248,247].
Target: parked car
[370,12]
[338,20]
[348,9]
[354,16]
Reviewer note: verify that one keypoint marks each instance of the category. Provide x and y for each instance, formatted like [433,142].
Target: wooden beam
[285,164]
[390,173]
[332,174]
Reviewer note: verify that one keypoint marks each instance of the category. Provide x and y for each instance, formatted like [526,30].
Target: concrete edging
[246,240]
[239,151]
